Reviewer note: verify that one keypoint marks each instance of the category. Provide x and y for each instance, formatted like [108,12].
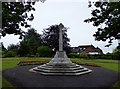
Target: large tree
[16,15]
[50,38]
[2,47]
[13,47]
[106,17]
[30,42]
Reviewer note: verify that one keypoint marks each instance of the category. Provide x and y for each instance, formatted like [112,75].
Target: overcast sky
[72,14]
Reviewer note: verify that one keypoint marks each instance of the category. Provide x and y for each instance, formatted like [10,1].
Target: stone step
[60,65]
[59,68]
[60,71]
[62,74]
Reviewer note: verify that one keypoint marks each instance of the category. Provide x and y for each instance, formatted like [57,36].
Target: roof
[85,46]
[90,50]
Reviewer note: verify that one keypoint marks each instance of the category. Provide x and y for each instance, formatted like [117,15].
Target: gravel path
[21,77]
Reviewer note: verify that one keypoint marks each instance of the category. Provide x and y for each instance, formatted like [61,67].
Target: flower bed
[22,63]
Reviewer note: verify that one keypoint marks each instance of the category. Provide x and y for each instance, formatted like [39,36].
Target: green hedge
[102,56]
[10,54]
[96,56]
[44,51]
[73,55]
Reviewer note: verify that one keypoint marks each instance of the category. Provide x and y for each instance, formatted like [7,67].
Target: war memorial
[60,64]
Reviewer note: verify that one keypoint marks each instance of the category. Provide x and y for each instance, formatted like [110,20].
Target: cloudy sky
[72,14]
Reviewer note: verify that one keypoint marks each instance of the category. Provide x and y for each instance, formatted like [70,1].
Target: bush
[83,55]
[116,54]
[10,54]
[101,56]
[44,51]
[73,55]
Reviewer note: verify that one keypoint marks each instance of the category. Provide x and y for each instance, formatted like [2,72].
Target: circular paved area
[21,77]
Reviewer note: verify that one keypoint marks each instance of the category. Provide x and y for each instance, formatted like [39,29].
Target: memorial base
[60,65]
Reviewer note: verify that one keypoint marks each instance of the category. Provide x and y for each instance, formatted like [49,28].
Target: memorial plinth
[60,64]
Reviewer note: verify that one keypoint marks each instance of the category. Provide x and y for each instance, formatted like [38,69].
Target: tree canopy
[14,16]
[106,17]
[2,46]
[30,42]
[51,35]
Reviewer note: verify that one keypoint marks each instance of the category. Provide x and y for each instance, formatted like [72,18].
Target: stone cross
[60,37]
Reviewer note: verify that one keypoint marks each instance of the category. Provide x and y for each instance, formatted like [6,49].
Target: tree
[2,47]
[30,42]
[51,38]
[106,16]
[14,16]
[13,47]
[3,50]
[116,54]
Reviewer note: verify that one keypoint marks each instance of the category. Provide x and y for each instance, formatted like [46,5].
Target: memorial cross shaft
[60,39]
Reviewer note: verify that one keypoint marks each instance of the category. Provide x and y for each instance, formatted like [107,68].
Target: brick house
[89,49]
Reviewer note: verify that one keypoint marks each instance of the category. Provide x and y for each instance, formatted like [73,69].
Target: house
[89,49]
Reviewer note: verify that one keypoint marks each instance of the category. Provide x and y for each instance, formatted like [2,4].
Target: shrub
[83,55]
[44,51]
[116,54]
[100,56]
[10,54]
[73,55]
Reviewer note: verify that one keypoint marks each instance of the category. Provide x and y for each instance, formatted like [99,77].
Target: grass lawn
[108,64]
[8,63]
[5,83]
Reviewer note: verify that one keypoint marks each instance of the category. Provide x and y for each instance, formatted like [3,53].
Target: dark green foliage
[51,38]
[13,47]
[116,54]
[2,47]
[102,56]
[3,50]
[28,46]
[44,51]
[10,54]
[83,55]
[106,16]
[14,15]
[73,55]
[89,56]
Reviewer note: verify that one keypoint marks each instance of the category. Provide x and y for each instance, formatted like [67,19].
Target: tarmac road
[21,77]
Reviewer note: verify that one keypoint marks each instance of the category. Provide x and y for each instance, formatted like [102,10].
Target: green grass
[108,64]
[117,85]
[5,83]
[8,63]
